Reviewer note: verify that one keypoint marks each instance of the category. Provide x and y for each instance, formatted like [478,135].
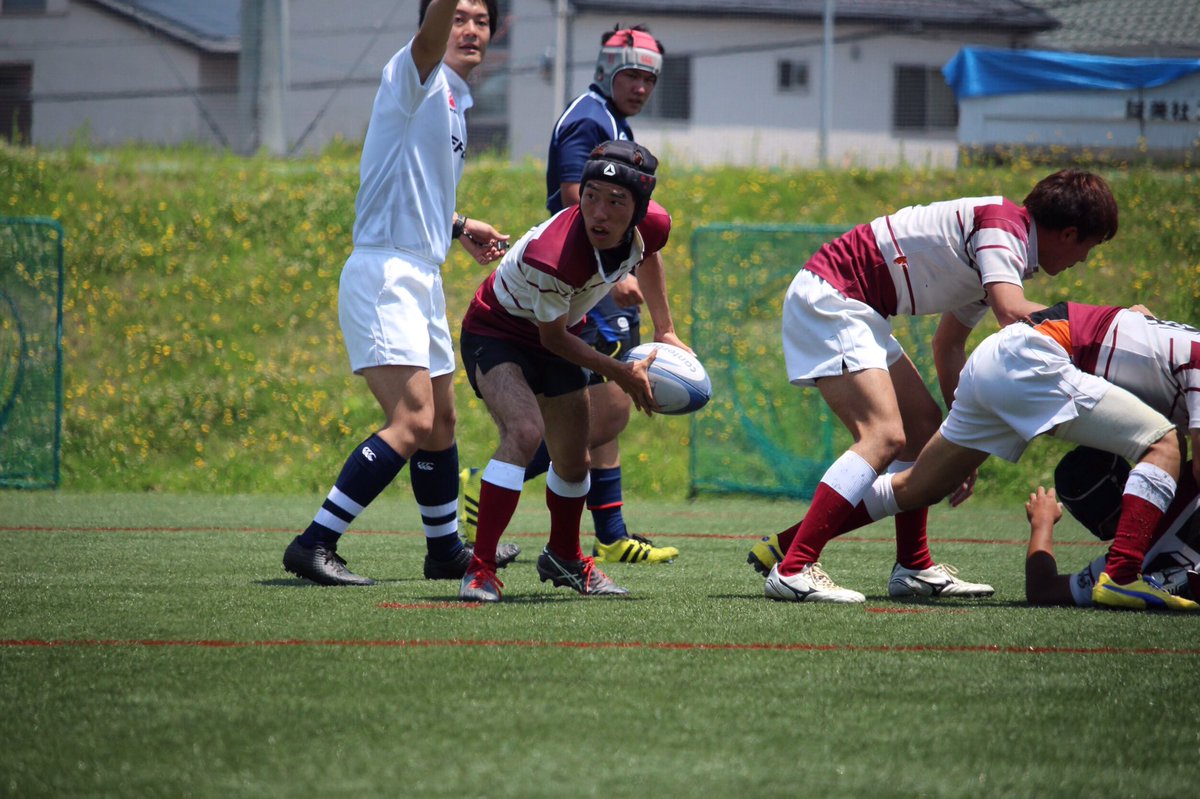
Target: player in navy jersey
[956,259]
[1109,378]
[1091,484]
[524,358]
[626,75]
[390,301]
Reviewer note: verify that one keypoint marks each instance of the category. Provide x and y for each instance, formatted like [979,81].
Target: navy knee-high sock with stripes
[368,470]
[434,478]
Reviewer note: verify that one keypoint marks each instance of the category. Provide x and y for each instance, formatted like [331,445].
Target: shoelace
[335,558]
[1153,583]
[818,576]
[641,539]
[948,570]
[589,568]
[484,576]
[640,548]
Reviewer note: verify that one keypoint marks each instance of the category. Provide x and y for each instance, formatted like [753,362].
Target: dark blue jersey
[589,120]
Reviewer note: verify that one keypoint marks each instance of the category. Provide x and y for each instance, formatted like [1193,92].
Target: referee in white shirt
[391,305]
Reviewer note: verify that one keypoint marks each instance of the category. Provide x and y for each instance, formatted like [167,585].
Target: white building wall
[1167,120]
[335,61]
[738,116]
[99,75]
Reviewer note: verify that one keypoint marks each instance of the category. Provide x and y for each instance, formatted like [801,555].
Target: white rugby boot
[938,580]
[811,584]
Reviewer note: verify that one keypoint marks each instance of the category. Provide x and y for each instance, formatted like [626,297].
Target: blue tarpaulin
[982,72]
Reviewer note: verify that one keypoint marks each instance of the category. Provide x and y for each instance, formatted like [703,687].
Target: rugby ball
[677,378]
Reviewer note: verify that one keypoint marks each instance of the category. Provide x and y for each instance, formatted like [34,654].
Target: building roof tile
[211,25]
[1161,28]
[996,14]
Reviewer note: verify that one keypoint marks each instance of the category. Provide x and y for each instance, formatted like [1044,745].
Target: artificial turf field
[152,645]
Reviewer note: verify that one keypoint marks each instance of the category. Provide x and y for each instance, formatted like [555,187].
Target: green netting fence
[31,357]
[759,434]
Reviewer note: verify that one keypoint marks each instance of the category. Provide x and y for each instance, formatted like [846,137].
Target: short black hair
[1074,198]
[492,9]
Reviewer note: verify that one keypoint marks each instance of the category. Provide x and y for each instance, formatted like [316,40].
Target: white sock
[1152,484]
[850,476]
[880,499]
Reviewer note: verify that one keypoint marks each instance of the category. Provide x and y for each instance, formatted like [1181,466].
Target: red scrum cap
[627,48]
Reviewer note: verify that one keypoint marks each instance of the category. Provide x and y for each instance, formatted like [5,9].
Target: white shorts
[825,333]
[393,312]
[1016,385]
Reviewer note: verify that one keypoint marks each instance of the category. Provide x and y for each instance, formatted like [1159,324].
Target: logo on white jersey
[368,454]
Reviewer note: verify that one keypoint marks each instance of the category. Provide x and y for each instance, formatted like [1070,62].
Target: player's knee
[573,467]
[608,428]
[419,428]
[522,437]
[445,418]
[441,433]
[890,442]
[1167,453]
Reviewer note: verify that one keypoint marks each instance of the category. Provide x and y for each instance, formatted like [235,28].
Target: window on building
[672,98]
[16,107]
[792,77]
[22,6]
[921,100]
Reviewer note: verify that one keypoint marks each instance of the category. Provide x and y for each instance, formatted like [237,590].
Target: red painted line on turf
[710,536]
[429,605]
[943,611]
[646,645]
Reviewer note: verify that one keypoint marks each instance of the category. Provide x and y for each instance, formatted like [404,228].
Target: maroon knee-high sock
[1135,531]
[857,518]
[565,514]
[496,508]
[829,516]
[912,543]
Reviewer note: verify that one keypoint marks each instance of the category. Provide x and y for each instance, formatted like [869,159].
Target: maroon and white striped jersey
[553,271]
[930,259]
[1156,360]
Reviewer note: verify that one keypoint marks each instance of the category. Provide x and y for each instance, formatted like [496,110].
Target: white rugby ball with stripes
[677,378]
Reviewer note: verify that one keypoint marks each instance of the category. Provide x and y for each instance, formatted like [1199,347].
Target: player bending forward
[531,370]
[957,259]
[1104,377]
[1090,484]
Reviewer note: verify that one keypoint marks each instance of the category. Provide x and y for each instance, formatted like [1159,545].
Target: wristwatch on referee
[459,227]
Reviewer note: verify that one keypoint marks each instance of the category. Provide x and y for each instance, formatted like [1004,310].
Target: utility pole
[263,76]
[826,84]
[561,12]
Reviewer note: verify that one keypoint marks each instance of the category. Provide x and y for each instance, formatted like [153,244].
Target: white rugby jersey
[552,272]
[412,160]
[930,259]
[1155,359]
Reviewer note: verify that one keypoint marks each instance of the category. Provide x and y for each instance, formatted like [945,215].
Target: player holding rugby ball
[524,359]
